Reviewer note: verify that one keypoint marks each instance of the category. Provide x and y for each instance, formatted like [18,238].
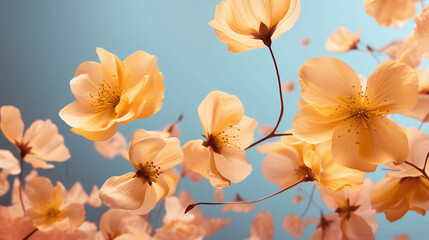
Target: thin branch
[310,199]
[420,170]
[191,206]
[30,234]
[426,161]
[21,178]
[423,121]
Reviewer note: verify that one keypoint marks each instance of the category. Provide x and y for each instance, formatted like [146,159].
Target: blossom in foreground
[40,143]
[294,225]
[355,118]
[49,205]
[244,24]
[221,158]
[407,189]
[328,227]
[342,40]
[152,157]
[191,226]
[121,224]
[354,209]
[290,160]
[421,110]
[112,92]
[391,12]
[262,227]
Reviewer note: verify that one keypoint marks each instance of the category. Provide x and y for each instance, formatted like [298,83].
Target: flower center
[346,211]
[108,97]
[229,137]
[53,214]
[148,172]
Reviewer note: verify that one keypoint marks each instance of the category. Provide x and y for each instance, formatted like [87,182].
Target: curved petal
[356,227]
[9,163]
[391,12]
[124,192]
[289,15]
[280,169]
[41,192]
[153,93]
[218,110]
[109,66]
[197,157]
[421,31]
[393,87]
[171,155]
[322,79]
[11,123]
[86,81]
[312,127]
[247,128]
[232,164]
[154,194]
[75,212]
[145,150]
[420,110]
[139,64]
[37,162]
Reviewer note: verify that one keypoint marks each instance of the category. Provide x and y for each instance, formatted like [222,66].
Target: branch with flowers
[344,129]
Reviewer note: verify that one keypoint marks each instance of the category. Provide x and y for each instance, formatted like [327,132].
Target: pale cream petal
[124,192]
[75,212]
[421,31]
[145,150]
[391,12]
[288,19]
[11,123]
[9,163]
[112,147]
[171,155]
[393,87]
[420,110]
[322,79]
[197,157]
[37,162]
[247,128]
[86,81]
[172,178]
[77,194]
[154,194]
[232,164]
[94,198]
[280,169]
[218,110]
[45,141]
[342,40]
[312,127]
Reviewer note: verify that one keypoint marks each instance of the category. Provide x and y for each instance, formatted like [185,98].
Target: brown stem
[273,134]
[423,121]
[310,200]
[426,161]
[30,234]
[420,170]
[191,206]
[21,178]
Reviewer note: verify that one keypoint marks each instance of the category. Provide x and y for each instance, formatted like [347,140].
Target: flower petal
[393,85]
[86,81]
[232,164]
[75,212]
[9,163]
[247,128]
[275,167]
[11,123]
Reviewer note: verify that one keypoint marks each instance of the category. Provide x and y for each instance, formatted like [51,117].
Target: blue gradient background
[43,42]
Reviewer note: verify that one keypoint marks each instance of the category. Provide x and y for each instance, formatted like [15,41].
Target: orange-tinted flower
[49,205]
[391,12]
[328,227]
[152,157]
[65,231]
[244,25]
[342,40]
[191,226]
[221,158]
[407,51]
[294,225]
[262,227]
[408,189]
[355,119]
[40,143]
[421,31]
[113,92]
[354,209]
[10,166]
[421,110]
[94,198]
[238,208]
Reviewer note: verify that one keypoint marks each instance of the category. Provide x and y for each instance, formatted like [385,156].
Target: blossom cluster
[342,131]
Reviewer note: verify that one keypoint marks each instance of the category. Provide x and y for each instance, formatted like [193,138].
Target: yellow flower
[50,205]
[113,92]
[152,157]
[355,119]
[221,158]
[244,24]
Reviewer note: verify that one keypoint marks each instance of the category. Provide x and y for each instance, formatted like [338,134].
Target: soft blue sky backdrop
[43,42]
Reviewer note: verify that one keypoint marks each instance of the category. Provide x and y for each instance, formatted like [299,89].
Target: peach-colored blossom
[94,198]
[262,226]
[112,92]
[407,189]
[221,158]
[238,208]
[391,12]
[65,231]
[355,119]
[244,25]
[18,228]
[294,225]
[288,86]
[112,147]
[421,109]
[305,41]
[421,30]
[354,209]
[121,224]
[407,51]
[40,143]
[191,226]
[342,40]
[49,205]
[328,228]
[140,191]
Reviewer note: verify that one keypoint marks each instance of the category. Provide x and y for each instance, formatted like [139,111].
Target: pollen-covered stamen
[107,97]
[347,210]
[148,172]
[53,214]
[229,137]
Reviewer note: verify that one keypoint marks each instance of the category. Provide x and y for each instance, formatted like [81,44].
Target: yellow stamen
[108,97]
[148,172]
[229,137]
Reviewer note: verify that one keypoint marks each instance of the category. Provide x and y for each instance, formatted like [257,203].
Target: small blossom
[391,12]
[342,40]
